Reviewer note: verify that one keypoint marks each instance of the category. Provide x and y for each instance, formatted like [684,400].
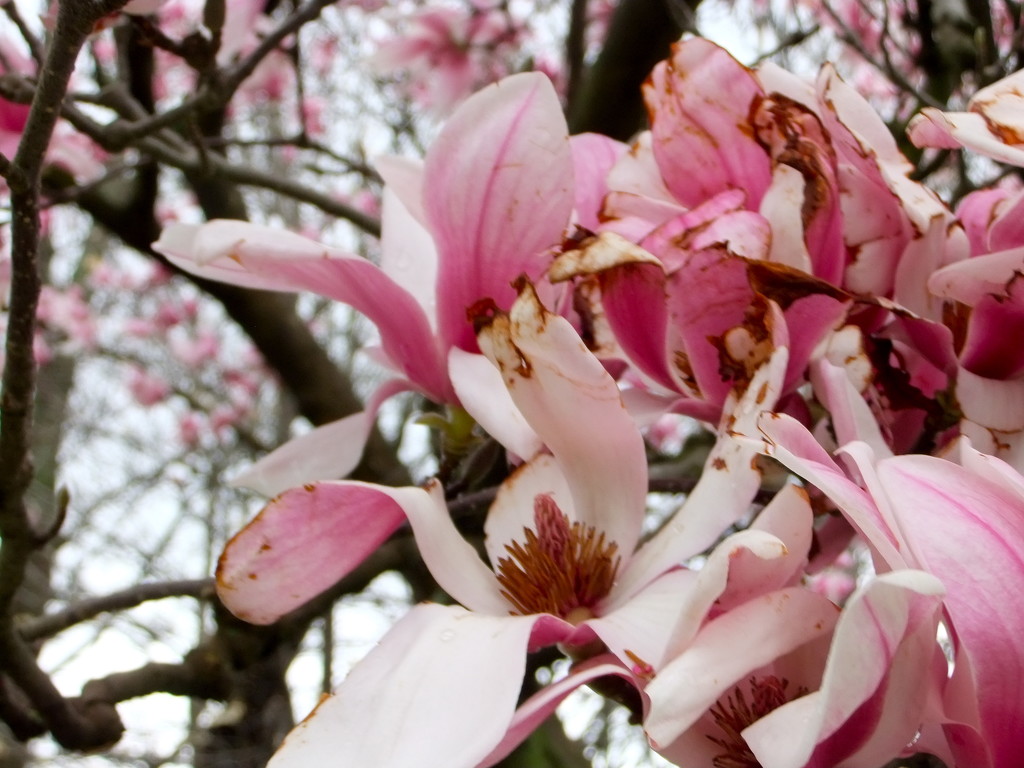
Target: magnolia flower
[493,195]
[758,212]
[963,523]
[561,539]
[449,52]
[786,681]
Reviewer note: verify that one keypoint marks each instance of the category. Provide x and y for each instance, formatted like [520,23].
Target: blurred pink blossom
[147,388]
[449,52]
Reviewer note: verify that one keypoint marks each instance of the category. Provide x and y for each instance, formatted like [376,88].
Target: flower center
[734,713]
[561,568]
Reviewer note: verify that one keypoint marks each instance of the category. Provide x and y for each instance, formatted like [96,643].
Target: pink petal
[498,194]
[991,403]
[728,649]
[951,130]
[543,703]
[403,178]
[893,609]
[408,255]
[924,255]
[574,405]
[641,625]
[700,102]
[440,690]
[756,569]
[977,211]
[991,348]
[633,298]
[850,415]
[593,156]
[254,256]
[1007,230]
[328,452]
[452,560]
[794,447]
[969,531]
[303,542]
[734,564]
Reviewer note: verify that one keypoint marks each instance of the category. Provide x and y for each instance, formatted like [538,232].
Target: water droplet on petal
[447,636]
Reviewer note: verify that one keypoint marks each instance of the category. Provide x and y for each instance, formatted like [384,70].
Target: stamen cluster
[561,568]
[734,714]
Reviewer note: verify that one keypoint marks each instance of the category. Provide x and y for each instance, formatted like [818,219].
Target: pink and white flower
[494,194]
[963,523]
[561,539]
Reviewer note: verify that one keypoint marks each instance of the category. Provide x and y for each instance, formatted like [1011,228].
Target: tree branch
[51,624]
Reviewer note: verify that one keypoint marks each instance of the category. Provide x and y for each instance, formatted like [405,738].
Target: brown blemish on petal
[719,463]
[309,487]
[785,285]
[482,314]
[597,254]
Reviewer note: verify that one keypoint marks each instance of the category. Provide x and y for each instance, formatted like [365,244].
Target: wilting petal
[439,691]
[728,649]
[254,256]
[991,403]
[706,298]
[701,101]
[498,194]
[725,489]
[971,280]
[893,609]
[304,541]
[992,127]
[782,206]
[952,130]
[574,405]
[638,199]
[969,531]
